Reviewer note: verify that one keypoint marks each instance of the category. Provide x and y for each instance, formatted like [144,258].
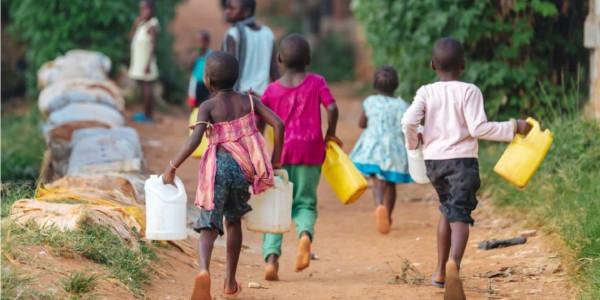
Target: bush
[563,195]
[333,57]
[22,146]
[514,49]
[52,27]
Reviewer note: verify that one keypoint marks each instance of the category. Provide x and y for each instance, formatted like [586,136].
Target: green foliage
[52,27]
[11,192]
[333,57]
[79,283]
[22,145]
[513,48]
[94,242]
[171,74]
[563,195]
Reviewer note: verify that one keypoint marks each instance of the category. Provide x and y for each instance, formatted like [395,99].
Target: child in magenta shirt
[297,98]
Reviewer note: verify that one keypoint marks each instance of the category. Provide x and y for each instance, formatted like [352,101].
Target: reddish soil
[354,261]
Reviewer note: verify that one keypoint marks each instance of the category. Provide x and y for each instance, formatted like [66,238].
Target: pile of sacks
[93,163]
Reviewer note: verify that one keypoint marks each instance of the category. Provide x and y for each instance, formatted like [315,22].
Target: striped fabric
[242,139]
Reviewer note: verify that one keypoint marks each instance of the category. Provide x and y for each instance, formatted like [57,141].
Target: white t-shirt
[257,61]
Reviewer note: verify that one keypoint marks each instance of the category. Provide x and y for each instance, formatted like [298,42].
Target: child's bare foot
[453,286]
[303,256]
[382,219]
[232,293]
[272,268]
[201,286]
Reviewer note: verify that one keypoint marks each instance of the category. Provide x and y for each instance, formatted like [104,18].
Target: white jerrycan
[272,209]
[165,209]
[416,162]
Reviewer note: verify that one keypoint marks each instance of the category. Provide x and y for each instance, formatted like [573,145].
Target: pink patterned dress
[241,138]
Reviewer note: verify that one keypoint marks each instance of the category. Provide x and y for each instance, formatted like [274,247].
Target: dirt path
[355,262]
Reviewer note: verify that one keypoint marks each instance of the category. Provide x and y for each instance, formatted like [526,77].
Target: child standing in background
[252,44]
[297,98]
[454,119]
[197,90]
[379,153]
[236,159]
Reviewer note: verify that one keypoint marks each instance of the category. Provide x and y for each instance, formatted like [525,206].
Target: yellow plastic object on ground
[204,144]
[345,179]
[524,155]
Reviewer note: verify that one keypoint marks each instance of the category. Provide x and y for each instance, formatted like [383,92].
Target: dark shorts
[231,195]
[456,182]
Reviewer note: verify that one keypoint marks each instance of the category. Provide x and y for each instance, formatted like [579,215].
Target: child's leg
[460,236]
[390,198]
[202,281]
[443,249]
[382,214]
[147,94]
[234,247]
[304,208]
[271,253]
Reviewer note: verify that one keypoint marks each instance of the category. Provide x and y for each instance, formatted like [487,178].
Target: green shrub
[333,57]
[563,195]
[22,146]
[514,49]
[79,283]
[52,27]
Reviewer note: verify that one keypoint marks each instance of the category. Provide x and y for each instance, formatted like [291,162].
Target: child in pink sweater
[454,119]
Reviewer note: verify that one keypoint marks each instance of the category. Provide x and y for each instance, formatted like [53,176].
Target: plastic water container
[204,143]
[416,166]
[165,209]
[345,179]
[524,155]
[272,209]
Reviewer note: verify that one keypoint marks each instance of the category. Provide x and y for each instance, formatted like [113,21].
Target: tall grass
[564,195]
[22,146]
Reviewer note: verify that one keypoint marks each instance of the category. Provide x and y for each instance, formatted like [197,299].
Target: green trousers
[304,207]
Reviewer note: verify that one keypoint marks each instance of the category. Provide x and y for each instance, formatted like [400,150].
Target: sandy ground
[354,261]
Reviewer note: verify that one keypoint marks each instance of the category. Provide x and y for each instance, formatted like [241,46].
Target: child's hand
[334,139]
[168,175]
[523,127]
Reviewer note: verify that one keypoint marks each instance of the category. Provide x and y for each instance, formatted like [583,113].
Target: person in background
[379,153]
[197,91]
[252,44]
[235,162]
[143,68]
[454,120]
[297,98]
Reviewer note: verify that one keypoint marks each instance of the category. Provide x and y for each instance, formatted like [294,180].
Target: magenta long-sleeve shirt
[454,119]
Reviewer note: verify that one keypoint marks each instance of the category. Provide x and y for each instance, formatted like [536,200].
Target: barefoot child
[197,91]
[252,44]
[380,152]
[454,119]
[297,98]
[236,159]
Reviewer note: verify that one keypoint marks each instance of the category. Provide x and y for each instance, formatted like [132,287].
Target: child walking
[379,153]
[297,98]
[454,119]
[252,44]
[197,90]
[236,159]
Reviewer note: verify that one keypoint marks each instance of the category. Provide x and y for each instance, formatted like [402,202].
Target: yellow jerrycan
[204,144]
[524,155]
[339,171]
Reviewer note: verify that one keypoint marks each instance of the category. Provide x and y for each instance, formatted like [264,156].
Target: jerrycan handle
[282,173]
[178,185]
[535,126]
[333,151]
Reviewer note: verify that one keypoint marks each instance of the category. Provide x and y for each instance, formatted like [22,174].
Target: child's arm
[480,128]
[274,71]
[189,147]
[412,118]
[332,119]
[272,119]
[362,123]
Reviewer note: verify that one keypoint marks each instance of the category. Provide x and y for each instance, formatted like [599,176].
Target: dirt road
[354,261]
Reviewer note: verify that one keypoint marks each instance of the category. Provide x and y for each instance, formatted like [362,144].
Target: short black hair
[386,79]
[250,5]
[294,52]
[204,34]
[151,4]
[222,69]
[448,54]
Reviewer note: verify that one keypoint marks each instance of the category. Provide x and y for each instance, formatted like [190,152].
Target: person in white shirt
[454,119]
[252,44]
